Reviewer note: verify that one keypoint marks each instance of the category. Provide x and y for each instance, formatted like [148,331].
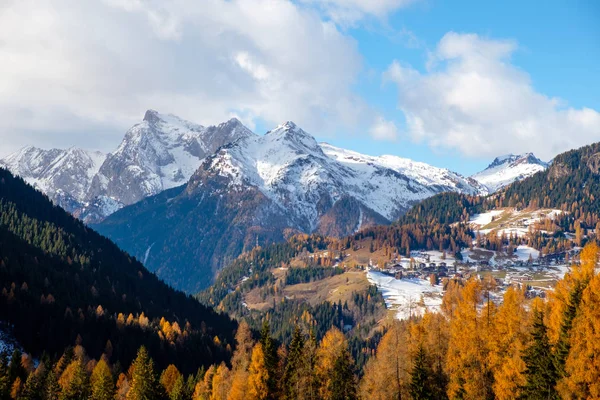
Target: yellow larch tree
[582,367]
[258,375]
[510,337]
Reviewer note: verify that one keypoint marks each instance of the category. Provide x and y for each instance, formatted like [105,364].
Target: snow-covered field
[509,220]
[407,297]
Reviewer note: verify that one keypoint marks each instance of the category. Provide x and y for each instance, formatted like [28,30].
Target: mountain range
[264,188]
[160,152]
[187,199]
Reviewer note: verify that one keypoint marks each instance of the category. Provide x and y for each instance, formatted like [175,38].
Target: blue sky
[559,47]
[453,84]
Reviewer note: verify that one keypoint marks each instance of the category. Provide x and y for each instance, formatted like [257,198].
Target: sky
[452,84]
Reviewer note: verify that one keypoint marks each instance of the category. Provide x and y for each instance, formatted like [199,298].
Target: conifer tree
[420,377]
[4,377]
[179,389]
[582,367]
[74,382]
[33,388]
[16,389]
[52,390]
[168,378]
[220,383]
[144,385]
[103,387]
[540,373]
[258,377]
[290,381]
[343,386]
[333,350]
[271,360]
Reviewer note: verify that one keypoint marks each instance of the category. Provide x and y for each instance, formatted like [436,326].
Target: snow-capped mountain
[509,168]
[265,188]
[159,153]
[64,175]
[306,178]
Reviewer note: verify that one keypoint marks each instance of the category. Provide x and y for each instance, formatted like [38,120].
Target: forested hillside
[472,349]
[62,284]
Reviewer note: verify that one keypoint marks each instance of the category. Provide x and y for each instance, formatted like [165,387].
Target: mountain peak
[509,168]
[152,116]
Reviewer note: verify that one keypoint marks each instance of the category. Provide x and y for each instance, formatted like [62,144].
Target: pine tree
[420,377]
[144,385]
[103,387]
[540,372]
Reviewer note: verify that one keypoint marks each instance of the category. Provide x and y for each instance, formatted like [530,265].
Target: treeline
[60,280]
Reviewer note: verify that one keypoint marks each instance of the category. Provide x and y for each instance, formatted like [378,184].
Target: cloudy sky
[454,85]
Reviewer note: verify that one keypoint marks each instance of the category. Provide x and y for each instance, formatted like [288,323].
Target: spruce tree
[269,348]
[103,387]
[343,386]
[563,346]
[52,389]
[33,389]
[290,375]
[541,373]
[144,385]
[420,377]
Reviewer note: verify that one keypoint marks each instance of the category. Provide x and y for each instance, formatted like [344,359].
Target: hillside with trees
[472,349]
[62,284]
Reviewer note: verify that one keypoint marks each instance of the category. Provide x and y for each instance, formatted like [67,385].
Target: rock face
[262,188]
[64,175]
[159,153]
[507,169]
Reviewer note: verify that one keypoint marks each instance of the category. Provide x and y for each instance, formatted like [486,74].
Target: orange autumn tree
[510,337]
[466,364]
[582,367]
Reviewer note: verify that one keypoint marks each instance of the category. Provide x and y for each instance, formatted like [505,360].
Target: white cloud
[349,12]
[474,100]
[383,130]
[74,69]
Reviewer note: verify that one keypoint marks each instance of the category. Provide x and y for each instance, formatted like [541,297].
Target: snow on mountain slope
[507,169]
[64,175]
[159,153]
[307,178]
